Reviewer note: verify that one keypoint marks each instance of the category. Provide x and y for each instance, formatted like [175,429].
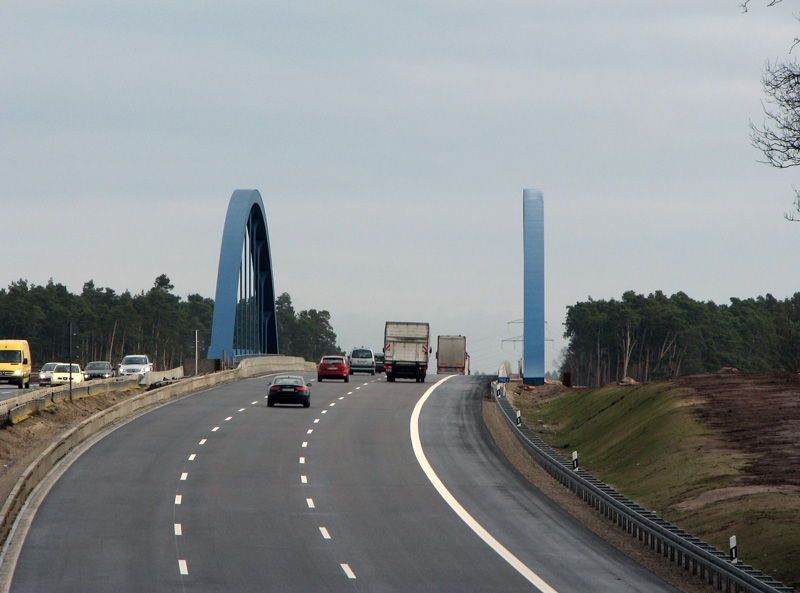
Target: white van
[15,363]
[362,360]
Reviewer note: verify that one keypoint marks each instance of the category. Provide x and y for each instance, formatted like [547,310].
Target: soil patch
[758,414]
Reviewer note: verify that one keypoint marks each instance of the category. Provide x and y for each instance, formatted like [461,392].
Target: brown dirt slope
[758,414]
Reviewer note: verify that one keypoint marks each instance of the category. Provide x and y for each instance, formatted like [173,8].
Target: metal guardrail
[702,559]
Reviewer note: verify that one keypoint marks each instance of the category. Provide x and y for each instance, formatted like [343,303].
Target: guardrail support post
[732,543]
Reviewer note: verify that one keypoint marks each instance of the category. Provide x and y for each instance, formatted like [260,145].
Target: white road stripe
[302,460]
[305,444]
[228,418]
[182,567]
[515,562]
[184,475]
[316,420]
[178,498]
[332,404]
[309,431]
[304,479]
[178,529]
[341,397]
[192,456]
[324,533]
[215,429]
[310,503]
[254,403]
[348,571]
[202,442]
[242,409]
[349,393]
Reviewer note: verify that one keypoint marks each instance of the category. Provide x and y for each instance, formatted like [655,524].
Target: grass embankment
[648,442]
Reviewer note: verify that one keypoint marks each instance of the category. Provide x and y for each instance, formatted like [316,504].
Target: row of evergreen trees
[655,336]
[107,326]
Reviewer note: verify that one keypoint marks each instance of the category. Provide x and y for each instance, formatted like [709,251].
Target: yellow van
[15,362]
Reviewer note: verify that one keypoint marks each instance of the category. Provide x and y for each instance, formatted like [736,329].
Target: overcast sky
[391,143]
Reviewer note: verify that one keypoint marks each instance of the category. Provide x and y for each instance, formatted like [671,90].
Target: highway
[218,492]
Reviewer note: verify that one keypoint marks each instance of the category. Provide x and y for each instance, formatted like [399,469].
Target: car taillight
[302,388]
[274,388]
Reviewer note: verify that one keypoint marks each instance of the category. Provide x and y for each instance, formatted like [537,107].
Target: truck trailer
[451,355]
[406,346]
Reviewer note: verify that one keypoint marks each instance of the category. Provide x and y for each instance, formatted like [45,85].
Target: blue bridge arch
[245,320]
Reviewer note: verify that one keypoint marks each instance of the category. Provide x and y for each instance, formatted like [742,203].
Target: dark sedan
[98,369]
[289,389]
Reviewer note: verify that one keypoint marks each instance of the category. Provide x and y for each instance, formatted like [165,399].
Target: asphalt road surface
[218,492]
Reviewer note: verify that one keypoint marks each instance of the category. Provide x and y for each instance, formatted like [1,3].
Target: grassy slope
[646,442]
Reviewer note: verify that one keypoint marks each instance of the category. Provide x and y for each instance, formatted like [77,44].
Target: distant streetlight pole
[195,350]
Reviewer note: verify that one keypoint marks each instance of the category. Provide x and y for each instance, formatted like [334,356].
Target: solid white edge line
[504,553]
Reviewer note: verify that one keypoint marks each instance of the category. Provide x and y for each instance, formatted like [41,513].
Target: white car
[61,374]
[134,364]
[46,371]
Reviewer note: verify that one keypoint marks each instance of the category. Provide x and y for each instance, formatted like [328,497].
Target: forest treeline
[107,326]
[656,336]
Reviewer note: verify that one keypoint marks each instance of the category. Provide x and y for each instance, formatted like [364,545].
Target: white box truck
[406,346]
[451,355]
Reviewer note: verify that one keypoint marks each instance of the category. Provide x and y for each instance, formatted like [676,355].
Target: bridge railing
[703,560]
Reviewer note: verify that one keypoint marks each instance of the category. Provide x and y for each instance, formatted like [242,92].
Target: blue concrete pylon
[533,282]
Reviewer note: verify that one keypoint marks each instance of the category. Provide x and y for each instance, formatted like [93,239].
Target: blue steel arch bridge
[245,321]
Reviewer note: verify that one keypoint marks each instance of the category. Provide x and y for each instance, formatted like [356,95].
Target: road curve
[217,492]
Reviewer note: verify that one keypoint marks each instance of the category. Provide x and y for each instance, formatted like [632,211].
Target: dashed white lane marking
[341,397]
[302,460]
[309,431]
[349,393]
[228,418]
[316,420]
[324,411]
[304,479]
[192,456]
[310,503]
[183,567]
[184,475]
[215,429]
[305,444]
[202,442]
[324,532]
[348,571]
[178,499]
[332,404]
[254,403]
[416,443]
[241,409]
[178,529]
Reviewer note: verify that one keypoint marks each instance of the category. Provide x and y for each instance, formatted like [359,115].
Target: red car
[333,367]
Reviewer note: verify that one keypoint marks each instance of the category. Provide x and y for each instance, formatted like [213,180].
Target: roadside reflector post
[732,542]
[519,419]
[574,461]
